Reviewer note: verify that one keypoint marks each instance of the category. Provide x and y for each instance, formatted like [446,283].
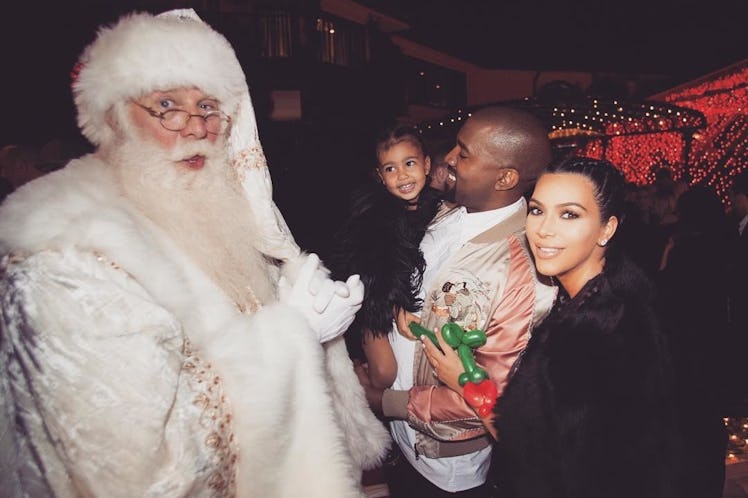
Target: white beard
[204,211]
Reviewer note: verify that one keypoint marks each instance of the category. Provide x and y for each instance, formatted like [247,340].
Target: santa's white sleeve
[96,399]
[93,400]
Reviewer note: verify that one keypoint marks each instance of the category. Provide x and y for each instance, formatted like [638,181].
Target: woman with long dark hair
[588,411]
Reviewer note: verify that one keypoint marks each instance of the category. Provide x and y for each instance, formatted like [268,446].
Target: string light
[721,151]
[699,132]
[737,440]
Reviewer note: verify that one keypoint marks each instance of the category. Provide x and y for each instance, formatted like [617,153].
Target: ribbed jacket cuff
[395,404]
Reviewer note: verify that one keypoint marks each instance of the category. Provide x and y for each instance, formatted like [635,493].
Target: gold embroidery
[105,260]
[215,417]
[253,304]
[216,420]
[250,158]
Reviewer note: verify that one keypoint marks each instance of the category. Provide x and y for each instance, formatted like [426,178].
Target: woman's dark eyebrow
[574,204]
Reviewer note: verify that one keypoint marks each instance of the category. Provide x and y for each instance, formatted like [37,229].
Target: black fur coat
[380,241]
[589,411]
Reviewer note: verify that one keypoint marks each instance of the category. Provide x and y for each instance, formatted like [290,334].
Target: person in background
[738,194]
[479,274]
[162,334]
[379,241]
[641,240]
[693,283]
[588,411]
[664,198]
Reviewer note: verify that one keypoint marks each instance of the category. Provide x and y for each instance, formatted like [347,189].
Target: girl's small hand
[402,319]
[446,364]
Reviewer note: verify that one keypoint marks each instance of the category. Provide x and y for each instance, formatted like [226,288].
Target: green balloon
[474,338]
[452,333]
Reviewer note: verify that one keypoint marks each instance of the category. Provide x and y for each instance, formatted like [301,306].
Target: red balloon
[481,396]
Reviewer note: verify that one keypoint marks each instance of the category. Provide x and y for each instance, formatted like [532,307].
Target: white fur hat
[143,53]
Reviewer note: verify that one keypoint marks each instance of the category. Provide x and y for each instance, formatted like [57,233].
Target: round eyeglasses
[177,119]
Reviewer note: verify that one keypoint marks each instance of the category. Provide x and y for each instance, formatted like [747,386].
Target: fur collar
[78,208]
[381,242]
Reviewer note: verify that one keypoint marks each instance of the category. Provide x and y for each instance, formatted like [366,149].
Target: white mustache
[187,150]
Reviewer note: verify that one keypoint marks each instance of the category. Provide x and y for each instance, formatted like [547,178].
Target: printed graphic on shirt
[463,299]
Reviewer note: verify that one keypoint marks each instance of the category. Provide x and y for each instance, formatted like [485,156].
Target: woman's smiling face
[564,229]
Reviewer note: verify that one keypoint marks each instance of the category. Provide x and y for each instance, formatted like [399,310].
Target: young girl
[380,241]
[589,409]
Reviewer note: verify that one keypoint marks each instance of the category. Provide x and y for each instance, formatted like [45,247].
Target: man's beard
[203,211]
[450,185]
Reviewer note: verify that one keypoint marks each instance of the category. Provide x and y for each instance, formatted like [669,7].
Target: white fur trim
[301,420]
[368,439]
[288,435]
[143,53]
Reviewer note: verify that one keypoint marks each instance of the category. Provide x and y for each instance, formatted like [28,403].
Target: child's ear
[427,165]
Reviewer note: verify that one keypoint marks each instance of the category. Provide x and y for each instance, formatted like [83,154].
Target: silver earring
[603,242]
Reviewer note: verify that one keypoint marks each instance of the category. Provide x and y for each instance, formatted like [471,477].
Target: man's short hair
[531,151]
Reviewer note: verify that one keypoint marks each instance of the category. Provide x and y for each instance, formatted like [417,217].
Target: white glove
[329,306]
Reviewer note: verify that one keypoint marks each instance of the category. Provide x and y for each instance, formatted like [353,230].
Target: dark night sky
[679,38]
[39,45]
[684,39]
